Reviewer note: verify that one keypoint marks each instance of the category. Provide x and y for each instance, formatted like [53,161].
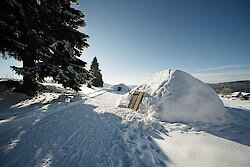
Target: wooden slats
[136,100]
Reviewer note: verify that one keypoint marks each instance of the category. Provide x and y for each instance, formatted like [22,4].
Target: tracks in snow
[69,131]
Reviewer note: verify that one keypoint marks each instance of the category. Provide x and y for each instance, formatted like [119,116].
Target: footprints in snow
[141,141]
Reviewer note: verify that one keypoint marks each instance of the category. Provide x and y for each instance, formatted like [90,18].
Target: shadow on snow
[236,128]
[67,132]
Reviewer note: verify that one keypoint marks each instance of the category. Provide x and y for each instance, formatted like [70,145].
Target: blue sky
[133,39]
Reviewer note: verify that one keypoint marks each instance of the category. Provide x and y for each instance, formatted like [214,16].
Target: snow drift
[173,95]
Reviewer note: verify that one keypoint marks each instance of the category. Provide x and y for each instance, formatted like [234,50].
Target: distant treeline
[236,86]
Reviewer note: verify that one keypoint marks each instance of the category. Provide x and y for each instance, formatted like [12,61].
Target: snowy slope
[90,129]
[202,149]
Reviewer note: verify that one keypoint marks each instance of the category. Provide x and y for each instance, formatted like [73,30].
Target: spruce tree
[43,35]
[96,72]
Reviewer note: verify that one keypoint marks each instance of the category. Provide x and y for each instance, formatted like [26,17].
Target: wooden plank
[138,101]
[133,101]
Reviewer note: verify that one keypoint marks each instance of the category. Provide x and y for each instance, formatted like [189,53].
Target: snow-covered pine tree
[43,35]
[17,36]
[96,72]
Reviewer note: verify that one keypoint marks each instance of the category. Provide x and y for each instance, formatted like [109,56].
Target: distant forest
[236,86]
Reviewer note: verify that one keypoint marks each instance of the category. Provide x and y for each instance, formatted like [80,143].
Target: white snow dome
[120,87]
[173,95]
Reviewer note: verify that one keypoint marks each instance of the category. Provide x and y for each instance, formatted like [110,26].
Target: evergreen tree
[96,72]
[43,35]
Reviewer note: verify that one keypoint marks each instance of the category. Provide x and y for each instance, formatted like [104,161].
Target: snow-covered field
[89,128]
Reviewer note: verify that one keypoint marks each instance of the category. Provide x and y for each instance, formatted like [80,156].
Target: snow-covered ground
[89,128]
[236,103]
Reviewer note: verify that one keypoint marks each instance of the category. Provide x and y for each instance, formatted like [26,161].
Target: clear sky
[133,39]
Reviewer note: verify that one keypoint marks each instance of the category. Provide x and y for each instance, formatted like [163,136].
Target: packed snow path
[89,129]
[66,131]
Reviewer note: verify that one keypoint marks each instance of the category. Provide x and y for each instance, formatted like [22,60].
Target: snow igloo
[173,95]
[121,88]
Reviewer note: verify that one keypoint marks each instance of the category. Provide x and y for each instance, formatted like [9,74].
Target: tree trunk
[29,80]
